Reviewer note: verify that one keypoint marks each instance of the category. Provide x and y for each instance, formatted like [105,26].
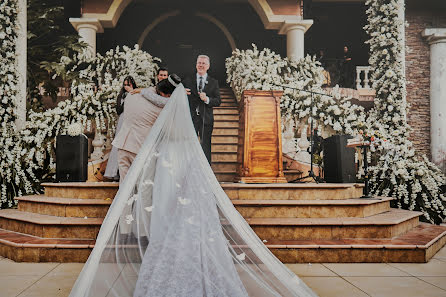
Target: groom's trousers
[205,134]
[125,160]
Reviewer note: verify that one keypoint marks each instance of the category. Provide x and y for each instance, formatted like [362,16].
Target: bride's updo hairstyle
[167,86]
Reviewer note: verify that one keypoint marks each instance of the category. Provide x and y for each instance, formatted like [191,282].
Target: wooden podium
[259,153]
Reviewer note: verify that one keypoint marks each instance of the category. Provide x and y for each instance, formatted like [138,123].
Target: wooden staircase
[299,223]
[225,137]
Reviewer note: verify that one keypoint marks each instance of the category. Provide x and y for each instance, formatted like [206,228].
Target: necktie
[200,84]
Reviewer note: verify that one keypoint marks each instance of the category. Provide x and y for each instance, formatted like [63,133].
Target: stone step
[229,174]
[224,147]
[64,207]
[225,110]
[227,104]
[225,176]
[307,191]
[49,226]
[227,131]
[228,99]
[226,117]
[384,225]
[225,166]
[21,247]
[88,190]
[226,124]
[344,208]
[224,139]
[292,175]
[418,245]
[224,156]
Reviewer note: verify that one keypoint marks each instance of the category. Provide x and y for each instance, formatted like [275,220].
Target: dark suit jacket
[211,89]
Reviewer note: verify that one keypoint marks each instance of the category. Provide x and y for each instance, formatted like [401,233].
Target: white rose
[337,126]
[74,129]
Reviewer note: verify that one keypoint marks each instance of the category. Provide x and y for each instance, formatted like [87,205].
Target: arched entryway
[181,37]
[178,32]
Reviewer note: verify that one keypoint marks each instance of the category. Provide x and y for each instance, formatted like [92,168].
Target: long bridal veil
[172,231]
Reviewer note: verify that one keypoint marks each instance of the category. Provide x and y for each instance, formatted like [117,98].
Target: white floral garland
[413,181]
[12,178]
[27,156]
[89,105]
[8,71]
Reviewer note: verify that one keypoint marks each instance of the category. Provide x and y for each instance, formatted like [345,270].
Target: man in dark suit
[204,94]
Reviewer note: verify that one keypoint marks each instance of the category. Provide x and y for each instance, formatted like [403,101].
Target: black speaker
[71,158]
[339,161]
[72,8]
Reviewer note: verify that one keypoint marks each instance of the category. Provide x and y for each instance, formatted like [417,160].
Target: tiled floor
[327,280]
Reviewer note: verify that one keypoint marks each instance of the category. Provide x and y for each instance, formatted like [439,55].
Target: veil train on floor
[172,231]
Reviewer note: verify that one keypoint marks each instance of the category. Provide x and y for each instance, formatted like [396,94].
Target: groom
[204,94]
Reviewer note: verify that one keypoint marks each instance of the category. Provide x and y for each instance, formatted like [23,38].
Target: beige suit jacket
[139,117]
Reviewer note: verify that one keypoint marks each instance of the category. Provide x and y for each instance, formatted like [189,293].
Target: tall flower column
[21,64]
[295,32]
[87,28]
[437,41]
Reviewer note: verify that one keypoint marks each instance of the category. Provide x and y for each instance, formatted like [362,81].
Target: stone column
[87,29]
[295,31]
[21,65]
[437,41]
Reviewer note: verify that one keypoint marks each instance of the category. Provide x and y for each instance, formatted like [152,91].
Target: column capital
[302,25]
[434,35]
[92,23]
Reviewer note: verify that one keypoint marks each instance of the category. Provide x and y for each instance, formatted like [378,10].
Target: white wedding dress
[186,239]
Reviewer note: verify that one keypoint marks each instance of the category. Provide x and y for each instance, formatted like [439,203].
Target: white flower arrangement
[266,70]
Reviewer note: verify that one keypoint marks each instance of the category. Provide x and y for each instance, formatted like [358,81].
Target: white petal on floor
[241,257]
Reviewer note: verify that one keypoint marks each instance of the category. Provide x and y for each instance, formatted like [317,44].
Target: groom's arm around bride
[203,96]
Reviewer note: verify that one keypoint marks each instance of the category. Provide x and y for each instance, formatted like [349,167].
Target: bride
[186,239]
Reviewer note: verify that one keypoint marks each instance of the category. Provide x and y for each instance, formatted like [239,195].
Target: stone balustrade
[362,77]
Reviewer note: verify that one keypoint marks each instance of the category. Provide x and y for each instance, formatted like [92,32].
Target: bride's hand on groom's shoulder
[135,91]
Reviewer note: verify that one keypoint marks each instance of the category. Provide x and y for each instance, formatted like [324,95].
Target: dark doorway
[180,39]
[335,25]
